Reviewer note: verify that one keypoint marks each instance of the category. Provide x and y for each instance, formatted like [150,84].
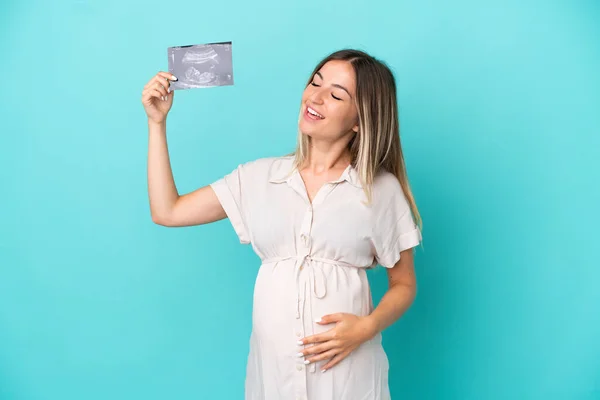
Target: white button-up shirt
[314,260]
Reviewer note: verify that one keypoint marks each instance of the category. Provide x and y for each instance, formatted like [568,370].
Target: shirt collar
[283,170]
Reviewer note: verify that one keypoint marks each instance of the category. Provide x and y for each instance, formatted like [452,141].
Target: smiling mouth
[313,113]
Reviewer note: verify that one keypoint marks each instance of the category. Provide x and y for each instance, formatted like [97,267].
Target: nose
[317,95]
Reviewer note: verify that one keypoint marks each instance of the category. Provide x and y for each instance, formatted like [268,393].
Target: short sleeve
[231,190]
[393,226]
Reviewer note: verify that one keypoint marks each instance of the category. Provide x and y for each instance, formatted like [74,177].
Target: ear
[357,122]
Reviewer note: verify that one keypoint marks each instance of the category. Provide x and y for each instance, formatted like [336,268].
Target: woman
[318,218]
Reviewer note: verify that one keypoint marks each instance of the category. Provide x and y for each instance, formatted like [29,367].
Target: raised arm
[167,207]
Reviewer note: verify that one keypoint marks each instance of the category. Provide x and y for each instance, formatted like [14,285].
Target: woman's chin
[308,133]
[308,130]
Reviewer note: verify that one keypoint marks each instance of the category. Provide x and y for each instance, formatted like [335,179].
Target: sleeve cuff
[228,203]
[405,241]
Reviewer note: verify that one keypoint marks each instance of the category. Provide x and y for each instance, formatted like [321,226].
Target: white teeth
[313,112]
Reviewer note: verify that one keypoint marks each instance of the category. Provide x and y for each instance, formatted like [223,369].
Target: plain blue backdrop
[500,124]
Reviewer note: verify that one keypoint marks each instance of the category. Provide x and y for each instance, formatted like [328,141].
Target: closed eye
[332,95]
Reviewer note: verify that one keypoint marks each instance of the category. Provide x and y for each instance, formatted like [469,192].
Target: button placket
[306,229]
[304,251]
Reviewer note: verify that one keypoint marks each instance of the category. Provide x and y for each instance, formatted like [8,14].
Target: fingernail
[169,89]
[306,362]
[300,343]
[318,320]
[173,77]
[162,98]
[323,371]
[299,355]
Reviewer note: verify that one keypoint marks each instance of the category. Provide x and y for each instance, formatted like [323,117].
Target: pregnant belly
[281,298]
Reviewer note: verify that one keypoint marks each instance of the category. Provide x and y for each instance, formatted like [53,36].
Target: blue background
[500,120]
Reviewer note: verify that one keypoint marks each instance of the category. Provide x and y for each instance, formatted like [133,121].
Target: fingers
[162,89]
[335,360]
[319,348]
[326,355]
[161,76]
[319,338]
[161,80]
[158,93]
[164,83]
[156,85]
[167,76]
[151,92]
[331,318]
[154,92]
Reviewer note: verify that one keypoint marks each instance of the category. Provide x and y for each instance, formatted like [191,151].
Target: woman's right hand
[157,97]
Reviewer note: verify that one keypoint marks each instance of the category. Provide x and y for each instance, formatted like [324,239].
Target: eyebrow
[336,85]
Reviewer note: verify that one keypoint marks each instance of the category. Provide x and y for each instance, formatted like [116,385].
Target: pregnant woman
[318,219]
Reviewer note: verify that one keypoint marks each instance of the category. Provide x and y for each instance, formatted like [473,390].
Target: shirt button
[305,239]
[299,367]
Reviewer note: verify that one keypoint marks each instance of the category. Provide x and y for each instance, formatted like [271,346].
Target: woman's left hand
[350,331]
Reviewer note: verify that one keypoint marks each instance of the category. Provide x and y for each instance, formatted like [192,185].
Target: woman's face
[328,103]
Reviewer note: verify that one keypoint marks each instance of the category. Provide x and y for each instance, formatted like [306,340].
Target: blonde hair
[376,146]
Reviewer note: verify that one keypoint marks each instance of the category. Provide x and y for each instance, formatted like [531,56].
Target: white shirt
[314,261]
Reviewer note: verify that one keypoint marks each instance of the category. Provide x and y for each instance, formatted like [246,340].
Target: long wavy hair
[376,145]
